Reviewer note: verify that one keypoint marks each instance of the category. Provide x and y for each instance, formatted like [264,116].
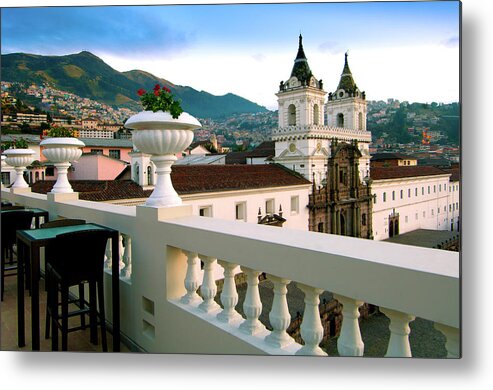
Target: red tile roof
[188,179]
[381,173]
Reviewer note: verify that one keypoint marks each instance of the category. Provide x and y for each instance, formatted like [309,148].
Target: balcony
[170,305]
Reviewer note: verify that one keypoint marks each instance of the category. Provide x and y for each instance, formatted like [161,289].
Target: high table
[29,243]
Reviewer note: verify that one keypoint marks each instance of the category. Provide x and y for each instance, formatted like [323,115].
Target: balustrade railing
[170,298]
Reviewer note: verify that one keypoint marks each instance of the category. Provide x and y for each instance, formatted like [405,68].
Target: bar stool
[11,222]
[77,257]
[79,302]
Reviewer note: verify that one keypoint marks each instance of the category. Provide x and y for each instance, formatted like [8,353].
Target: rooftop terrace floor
[77,341]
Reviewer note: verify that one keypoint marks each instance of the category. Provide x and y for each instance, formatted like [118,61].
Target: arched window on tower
[291,115]
[340,120]
[149,176]
[316,115]
[360,121]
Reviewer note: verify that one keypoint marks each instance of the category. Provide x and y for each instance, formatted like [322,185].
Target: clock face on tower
[292,148]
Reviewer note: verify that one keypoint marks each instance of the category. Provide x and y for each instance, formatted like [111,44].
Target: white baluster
[127,257]
[107,255]
[121,263]
[252,306]
[229,295]
[192,280]
[349,342]
[208,289]
[279,315]
[452,345]
[312,330]
[399,333]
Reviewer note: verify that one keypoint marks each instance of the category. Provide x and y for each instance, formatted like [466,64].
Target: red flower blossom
[157,87]
[141,91]
[166,89]
[156,92]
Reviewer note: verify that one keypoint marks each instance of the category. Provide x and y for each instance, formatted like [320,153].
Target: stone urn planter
[61,151]
[162,136]
[19,159]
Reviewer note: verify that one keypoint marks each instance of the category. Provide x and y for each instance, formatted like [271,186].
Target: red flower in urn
[160,99]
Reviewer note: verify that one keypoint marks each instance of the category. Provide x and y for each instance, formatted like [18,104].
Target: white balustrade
[399,333]
[312,330]
[279,315]
[252,306]
[229,295]
[349,342]
[192,280]
[167,325]
[452,345]
[208,289]
[126,272]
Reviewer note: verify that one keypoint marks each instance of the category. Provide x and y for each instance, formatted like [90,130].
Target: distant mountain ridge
[86,75]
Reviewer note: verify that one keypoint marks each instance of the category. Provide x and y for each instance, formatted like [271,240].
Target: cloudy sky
[403,50]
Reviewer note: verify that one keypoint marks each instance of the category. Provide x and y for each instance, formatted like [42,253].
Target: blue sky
[405,50]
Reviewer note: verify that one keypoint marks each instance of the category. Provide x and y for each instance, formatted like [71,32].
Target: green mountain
[86,75]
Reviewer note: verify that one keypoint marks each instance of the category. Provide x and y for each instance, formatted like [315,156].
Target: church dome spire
[347,82]
[301,69]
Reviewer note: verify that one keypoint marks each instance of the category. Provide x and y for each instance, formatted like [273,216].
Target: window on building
[363,219]
[422,190]
[424,214]
[393,195]
[438,209]
[449,207]
[50,171]
[320,227]
[428,189]
[291,115]
[270,206]
[453,207]
[416,216]
[457,205]
[97,151]
[149,176]
[405,219]
[409,193]
[402,194]
[439,188]
[360,121]
[340,120]
[6,178]
[115,154]
[432,212]
[295,204]
[205,211]
[384,196]
[241,211]
[445,187]
[375,199]
[316,114]
[416,191]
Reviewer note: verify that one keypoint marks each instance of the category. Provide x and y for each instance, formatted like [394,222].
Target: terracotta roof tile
[381,173]
[189,179]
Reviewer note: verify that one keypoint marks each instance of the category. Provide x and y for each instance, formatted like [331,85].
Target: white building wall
[222,205]
[426,210]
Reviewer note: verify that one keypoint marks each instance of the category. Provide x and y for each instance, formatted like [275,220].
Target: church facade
[327,142]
